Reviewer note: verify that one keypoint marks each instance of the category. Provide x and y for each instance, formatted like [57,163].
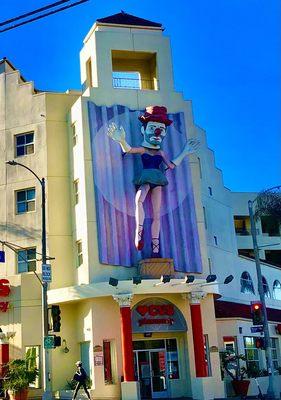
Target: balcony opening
[242,225]
[273,257]
[270,226]
[134,70]
[246,253]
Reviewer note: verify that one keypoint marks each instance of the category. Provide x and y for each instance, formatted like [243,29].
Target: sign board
[2,256]
[98,358]
[49,342]
[157,315]
[256,329]
[46,273]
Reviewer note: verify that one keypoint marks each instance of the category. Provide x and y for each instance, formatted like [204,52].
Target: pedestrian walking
[80,377]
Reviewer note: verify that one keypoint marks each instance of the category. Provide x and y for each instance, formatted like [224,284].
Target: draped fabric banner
[114,174]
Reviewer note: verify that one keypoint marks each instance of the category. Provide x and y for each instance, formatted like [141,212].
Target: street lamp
[270,390]
[47,394]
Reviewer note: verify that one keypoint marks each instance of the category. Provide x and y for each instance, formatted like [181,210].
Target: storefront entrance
[152,373]
[156,359]
[156,364]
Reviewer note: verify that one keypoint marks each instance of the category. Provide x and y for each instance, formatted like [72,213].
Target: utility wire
[20,256]
[43,15]
[8,21]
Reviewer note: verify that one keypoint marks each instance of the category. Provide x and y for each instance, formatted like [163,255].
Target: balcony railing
[131,83]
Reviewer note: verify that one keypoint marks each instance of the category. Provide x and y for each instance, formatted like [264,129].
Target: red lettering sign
[4,288]
[155,309]
[159,321]
[4,306]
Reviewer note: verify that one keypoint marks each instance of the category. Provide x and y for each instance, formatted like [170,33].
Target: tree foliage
[268,203]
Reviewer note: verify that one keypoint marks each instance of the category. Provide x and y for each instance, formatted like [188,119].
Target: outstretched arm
[119,135]
[190,147]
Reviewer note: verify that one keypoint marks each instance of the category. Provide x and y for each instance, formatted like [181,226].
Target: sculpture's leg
[139,214]
[156,196]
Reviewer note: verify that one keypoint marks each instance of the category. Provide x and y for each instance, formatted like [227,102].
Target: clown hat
[155,114]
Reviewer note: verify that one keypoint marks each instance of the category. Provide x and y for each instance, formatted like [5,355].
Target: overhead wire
[48,6]
[42,16]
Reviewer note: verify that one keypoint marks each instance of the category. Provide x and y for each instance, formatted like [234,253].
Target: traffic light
[55,314]
[57,341]
[257,313]
[259,342]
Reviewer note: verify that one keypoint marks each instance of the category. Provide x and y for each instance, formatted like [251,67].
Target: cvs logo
[4,288]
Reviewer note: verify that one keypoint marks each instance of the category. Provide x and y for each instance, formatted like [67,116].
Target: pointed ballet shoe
[140,244]
[155,247]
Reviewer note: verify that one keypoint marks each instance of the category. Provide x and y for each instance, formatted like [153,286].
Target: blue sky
[226,56]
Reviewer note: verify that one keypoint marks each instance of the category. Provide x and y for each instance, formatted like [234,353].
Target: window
[215,240]
[79,253]
[275,352]
[207,355]
[200,167]
[277,290]
[242,225]
[26,260]
[172,359]
[251,354]
[25,200]
[74,134]
[89,72]
[265,288]
[246,283]
[107,366]
[24,144]
[32,355]
[76,191]
[210,191]
[205,217]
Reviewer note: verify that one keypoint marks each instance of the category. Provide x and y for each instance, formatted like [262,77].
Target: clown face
[153,134]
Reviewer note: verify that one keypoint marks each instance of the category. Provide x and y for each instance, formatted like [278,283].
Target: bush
[19,376]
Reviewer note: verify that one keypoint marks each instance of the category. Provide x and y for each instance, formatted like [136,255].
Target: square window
[79,253]
[24,144]
[76,191]
[26,260]
[25,200]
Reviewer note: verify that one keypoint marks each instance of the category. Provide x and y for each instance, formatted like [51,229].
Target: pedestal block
[130,391]
[153,268]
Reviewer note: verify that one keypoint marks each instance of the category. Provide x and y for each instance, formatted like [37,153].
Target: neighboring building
[177,328]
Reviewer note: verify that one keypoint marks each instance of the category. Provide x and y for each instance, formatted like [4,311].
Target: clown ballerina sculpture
[152,179]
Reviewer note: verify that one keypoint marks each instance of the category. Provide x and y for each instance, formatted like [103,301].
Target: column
[4,354]
[197,332]
[124,301]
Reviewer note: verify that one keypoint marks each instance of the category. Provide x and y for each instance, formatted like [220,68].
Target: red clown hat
[155,114]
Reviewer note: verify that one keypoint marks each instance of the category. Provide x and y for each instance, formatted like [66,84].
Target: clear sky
[226,56]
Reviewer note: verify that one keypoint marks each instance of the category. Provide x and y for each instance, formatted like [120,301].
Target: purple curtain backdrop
[114,173]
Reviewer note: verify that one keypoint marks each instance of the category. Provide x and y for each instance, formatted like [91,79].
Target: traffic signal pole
[47,387]
[47,394]
[268,354]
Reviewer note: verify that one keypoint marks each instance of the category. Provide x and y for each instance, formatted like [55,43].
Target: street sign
[46,273]
[49,342]
[256,329]
[2,256]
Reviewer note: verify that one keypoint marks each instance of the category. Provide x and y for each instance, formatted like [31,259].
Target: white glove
[119,135]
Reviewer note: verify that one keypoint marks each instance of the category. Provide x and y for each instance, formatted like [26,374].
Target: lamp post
[47,394]
[270,390]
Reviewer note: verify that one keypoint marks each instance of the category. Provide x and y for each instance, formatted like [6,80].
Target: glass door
[144,373]
[158,373]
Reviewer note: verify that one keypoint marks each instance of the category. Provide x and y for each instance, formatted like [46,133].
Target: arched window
[265,288]
[246,283]
[277,290]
